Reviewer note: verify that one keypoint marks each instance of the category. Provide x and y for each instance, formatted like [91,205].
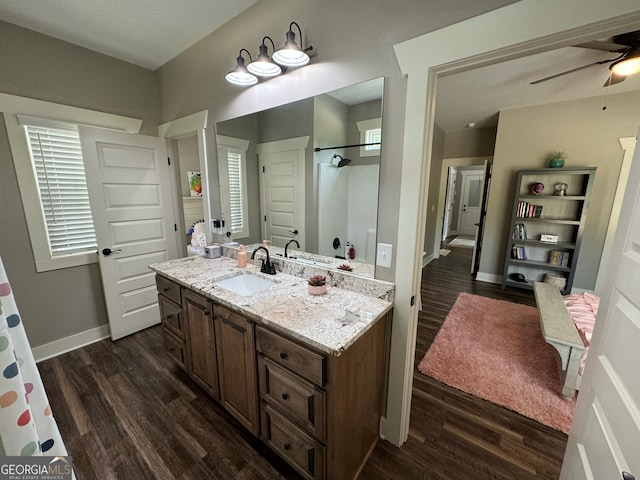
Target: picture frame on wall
[195,183]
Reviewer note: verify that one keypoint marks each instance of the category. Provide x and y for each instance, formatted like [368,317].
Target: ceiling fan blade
[603,46]
[551,77]
[613,79]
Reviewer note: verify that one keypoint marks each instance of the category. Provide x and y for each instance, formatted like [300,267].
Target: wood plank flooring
[126,412]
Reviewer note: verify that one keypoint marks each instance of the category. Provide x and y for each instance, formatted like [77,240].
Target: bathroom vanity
[305,374]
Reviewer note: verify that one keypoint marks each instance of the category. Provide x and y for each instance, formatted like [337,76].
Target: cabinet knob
[285,396]
[207,312]
[283,355]
[166,289]
[287,446]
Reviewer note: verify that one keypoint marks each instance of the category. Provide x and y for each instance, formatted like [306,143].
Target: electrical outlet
[383,258]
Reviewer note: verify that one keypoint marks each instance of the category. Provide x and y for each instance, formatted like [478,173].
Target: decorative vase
[536,188]
[317,289]
[556,163]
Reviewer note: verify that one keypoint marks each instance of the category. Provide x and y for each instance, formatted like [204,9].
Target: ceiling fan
[627,62]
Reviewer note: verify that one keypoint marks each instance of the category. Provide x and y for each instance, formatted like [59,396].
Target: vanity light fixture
[263,66]
[240,75]
[291,55]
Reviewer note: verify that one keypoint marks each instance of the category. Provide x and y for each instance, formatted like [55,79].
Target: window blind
[236,197]
[62,185]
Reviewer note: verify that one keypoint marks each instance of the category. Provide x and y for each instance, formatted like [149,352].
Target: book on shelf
[528,210]
[518,252]
[559,258]
[520,231]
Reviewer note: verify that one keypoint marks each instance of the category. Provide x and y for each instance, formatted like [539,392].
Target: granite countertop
[330,322]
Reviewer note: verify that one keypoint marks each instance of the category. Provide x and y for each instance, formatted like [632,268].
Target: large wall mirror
[306,171]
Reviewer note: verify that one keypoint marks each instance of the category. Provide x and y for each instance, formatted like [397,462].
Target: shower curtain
[27,426]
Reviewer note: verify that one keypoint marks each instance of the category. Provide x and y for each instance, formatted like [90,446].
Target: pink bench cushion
[583,308]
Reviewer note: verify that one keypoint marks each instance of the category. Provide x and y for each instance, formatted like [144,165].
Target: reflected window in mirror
[370,132]
[232,163]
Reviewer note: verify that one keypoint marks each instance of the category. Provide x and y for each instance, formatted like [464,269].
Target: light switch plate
[383,258]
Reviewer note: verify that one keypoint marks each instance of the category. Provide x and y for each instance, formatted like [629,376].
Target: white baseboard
[383,428]
[67,344]
[426,259]
[488,277]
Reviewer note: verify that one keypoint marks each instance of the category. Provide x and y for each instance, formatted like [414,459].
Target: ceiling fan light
[629,65]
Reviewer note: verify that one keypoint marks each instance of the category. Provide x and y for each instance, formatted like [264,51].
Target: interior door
[605,435]
[477,246]
[449,202]
[470,198]
[130,195]
[282,188]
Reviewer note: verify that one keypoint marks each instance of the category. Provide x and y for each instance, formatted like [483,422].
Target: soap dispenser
[242,257]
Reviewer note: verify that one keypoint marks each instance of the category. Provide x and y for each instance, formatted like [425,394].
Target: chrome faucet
[287,246]
[267,266]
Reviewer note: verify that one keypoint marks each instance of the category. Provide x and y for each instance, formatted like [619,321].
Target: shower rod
[319,149]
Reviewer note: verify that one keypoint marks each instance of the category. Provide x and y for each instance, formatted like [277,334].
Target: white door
[605,436]
[449,202]
[470,198]
[130,195]
[484,201]
[282,190]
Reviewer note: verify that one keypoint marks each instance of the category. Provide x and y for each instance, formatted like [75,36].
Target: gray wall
[353,42]
[590,136]
[473,142]
[59,303]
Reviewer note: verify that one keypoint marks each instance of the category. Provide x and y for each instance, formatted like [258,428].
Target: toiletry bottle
[242,257]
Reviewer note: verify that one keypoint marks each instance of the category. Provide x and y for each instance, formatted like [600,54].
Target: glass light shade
[240,75]
[263,66]
[290,55]
[629,65]
[244,79]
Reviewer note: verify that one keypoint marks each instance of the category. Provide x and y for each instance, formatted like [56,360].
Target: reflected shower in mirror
[308,171]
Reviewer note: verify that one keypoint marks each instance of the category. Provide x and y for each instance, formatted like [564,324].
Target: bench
[560,332]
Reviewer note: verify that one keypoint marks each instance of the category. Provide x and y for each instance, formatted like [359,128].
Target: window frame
[11,106]
[365,126]
[239,146]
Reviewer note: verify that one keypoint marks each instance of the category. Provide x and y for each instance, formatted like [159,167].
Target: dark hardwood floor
[126,412]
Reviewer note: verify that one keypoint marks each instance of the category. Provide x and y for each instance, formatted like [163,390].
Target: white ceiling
[477,95]
[143,32]
[151,32]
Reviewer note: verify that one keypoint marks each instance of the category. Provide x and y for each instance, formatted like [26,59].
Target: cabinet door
[202,362]
[237,361]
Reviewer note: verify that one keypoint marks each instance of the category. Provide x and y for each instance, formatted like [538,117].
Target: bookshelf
[546,230]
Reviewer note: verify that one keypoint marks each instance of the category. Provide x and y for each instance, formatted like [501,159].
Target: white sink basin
[313,262]
[245,284]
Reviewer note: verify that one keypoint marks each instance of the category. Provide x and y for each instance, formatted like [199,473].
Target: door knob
[107,251]
[295,232]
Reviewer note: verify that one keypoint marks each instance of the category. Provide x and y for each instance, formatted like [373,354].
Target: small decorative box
[549,238]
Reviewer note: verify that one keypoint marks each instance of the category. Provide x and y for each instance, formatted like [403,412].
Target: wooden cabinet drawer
[175,348]
[300,450]
[298,399]
[170,314]
[296,358]
[169,289]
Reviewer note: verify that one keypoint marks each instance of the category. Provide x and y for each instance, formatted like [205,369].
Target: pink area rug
[494,349]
